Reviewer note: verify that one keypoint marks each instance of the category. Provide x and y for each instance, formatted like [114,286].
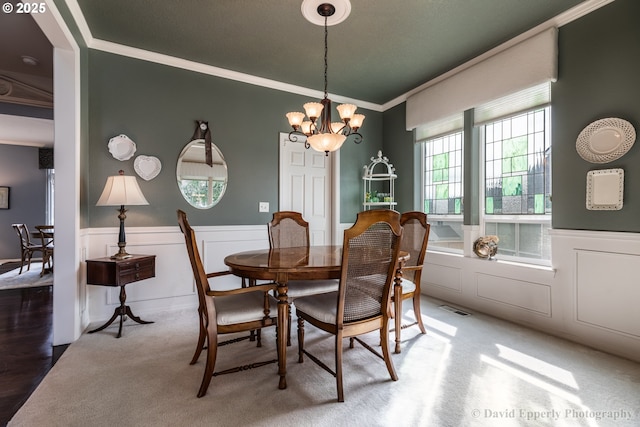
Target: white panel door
[305,187]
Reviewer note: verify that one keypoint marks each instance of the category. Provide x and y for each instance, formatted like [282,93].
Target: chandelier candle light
[326,135]
[121,190]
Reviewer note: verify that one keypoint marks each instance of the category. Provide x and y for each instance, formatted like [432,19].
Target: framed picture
[4,197]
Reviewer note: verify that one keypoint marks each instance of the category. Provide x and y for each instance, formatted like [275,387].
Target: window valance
[527,64]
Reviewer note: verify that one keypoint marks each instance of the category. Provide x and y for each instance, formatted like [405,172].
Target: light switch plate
[263,207]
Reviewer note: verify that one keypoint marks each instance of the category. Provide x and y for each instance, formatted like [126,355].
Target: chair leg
[289,330]
[201,340]
[338,351]
[45,258]
[22,260]
[29,255]
[384,337]
[397,315]
[212,351]
[416,310]
[300,340]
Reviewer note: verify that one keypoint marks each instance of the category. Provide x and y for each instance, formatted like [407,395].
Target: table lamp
[121,190]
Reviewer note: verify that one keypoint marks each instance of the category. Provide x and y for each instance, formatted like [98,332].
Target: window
[442,190]
[517,183]
[49,199]
[513,172]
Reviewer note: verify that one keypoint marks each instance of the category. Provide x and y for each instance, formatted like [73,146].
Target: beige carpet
[467,371]
[28,279]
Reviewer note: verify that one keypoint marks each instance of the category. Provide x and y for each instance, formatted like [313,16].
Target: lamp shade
[326,141]
[121,190]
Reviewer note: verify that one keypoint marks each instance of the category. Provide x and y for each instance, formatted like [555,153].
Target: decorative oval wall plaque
[605,140]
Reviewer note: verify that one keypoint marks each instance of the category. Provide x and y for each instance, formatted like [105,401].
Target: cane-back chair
[288,229]
[414,241]
[225,312]
[361,304]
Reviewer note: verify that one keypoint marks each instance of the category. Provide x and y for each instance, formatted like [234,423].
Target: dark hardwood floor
[26,352]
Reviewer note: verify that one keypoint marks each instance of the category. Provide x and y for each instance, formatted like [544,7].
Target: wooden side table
[111,272]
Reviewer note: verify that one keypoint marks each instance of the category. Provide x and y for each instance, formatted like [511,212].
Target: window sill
[497,261]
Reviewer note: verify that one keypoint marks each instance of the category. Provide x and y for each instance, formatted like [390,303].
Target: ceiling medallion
[342,9]
[321,133]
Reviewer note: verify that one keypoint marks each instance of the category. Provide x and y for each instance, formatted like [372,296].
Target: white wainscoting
[608,291]
[173,287]
[590,295]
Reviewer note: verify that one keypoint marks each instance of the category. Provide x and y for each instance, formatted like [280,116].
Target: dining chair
[27,248]
[224,312]
[46,238]
[414,241]
[361,304]
[288,229]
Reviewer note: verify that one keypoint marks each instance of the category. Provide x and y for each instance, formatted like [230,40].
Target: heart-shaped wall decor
[147,167]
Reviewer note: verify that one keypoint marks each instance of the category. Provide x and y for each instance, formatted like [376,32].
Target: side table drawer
[132,271]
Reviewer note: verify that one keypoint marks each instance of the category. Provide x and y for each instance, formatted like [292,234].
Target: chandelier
[323,134]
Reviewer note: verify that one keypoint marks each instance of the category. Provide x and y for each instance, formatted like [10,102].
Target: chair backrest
[46,235]
[23,234]
[415,237]
[288,229]
[202,284]
[369,257]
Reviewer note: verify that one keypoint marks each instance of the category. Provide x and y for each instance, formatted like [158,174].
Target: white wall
[590,296]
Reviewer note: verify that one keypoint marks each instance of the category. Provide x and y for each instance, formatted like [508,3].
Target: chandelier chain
[326,38]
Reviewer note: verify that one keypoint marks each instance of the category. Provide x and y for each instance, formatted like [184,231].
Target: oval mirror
[201,185]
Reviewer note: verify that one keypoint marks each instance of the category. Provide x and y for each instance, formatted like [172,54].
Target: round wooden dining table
[283,265]
[280,266]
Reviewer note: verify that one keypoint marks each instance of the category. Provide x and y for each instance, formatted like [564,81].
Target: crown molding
[562,19]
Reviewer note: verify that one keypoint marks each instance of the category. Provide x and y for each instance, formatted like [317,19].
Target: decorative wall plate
[605,189]
[121,147]
[147,167]
[605,140]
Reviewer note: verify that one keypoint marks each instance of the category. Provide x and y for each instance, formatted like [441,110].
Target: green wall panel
[399,148]
[598,78]
[157,105]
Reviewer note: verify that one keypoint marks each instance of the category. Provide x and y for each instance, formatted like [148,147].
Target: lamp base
[122,241]
[122,254]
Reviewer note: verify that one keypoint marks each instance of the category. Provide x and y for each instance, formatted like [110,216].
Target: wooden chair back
[23,234]
[288,229]
[46,235]
[207,307]
[415,238]
[369,258]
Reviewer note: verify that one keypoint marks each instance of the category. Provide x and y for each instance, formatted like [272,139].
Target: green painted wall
[84,111]
[598,78]
[598,62]
[399,148]
[156,106]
